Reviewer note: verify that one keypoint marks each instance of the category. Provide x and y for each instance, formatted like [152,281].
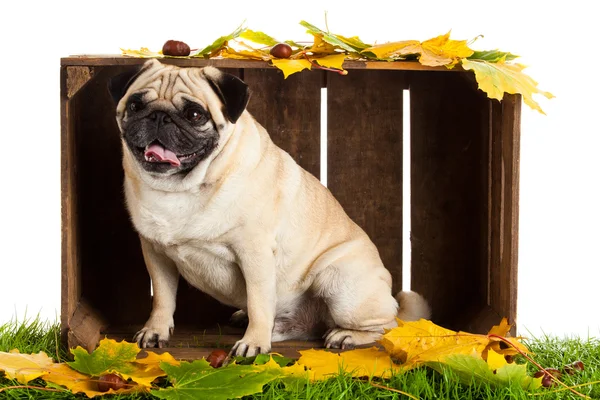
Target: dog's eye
[135,106]
[193,114]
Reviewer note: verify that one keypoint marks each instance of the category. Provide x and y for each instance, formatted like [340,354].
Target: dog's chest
[176,219]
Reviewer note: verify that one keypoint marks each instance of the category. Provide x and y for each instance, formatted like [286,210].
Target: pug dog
[216,201]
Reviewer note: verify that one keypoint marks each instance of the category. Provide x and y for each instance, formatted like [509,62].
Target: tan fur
[251,228]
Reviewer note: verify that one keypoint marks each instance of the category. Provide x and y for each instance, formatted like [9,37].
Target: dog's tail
[412,306]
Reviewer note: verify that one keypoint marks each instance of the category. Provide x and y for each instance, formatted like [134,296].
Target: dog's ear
[118,84]
[232,91]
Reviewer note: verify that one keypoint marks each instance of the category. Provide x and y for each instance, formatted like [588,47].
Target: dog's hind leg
[359,300]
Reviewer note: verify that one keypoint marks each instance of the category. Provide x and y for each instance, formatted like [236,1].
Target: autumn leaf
[63,375]
[422,341]
[393,50]
[434,52]
[291,66]
[110,356]
[251,54]
[354,42]
[419,342]
[334,61]
[261,359]
[369,362]
[442,50]
[144,371]
[198,380]
[213,48]
[496,371]
[492,56]
[258,37]
[327,37]
[144,52]
[24,367]
[495,79]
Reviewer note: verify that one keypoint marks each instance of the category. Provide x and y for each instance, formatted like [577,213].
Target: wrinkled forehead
[170,85]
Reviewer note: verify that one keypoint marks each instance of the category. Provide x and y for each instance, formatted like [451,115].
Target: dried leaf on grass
[370,362]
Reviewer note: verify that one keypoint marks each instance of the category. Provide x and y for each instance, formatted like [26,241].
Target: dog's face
[173,118]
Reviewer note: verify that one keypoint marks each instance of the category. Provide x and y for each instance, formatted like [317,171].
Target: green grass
[33,336]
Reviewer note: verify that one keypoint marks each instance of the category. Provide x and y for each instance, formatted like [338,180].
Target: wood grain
[112,59]
[70,266]
[364,136]
[504,202]
[448,194]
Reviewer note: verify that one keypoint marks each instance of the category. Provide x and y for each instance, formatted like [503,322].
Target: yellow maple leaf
[419,342]
[145,370]
[393,50]
[291,66]
[24,367]
[76,382]
[333,61]
[143,52]
[422,341]
[498,78]
[320,46]
[438,51]
[369,362]
[442,50]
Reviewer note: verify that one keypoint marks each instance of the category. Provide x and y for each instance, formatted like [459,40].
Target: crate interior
[453,179]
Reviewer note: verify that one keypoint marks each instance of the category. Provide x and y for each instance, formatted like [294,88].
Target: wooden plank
[114,280]
[84,327]
[112,59]
[448,194]
[364,136]
[76,78]
[192,345]
[290,110]
[70,268]
[504,200]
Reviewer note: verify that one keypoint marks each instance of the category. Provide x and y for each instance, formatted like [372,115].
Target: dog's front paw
[154,334]
[249,348]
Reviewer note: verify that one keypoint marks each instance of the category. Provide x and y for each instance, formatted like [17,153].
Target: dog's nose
[160,117]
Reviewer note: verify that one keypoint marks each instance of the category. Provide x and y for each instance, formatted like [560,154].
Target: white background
[560,203]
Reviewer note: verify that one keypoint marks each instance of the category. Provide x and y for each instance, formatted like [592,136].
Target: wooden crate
[464,191]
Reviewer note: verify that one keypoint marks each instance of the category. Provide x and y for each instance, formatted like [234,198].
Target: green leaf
[354,41]
[471,369]
[258,37]
[492,56]
[329,38]
[293,44]
[220,42]
[198,380]
[109,356]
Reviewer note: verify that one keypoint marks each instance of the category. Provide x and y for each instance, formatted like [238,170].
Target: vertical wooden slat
[504,199]
[290,110]
[70,268]
[364,136]
[448,193]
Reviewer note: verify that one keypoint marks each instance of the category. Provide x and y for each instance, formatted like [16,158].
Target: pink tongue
[157,153]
